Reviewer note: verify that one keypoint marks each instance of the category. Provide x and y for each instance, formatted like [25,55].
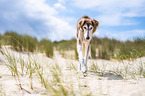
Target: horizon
[56,20]
[135,38]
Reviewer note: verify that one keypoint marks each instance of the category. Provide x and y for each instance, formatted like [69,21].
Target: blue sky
[57,19]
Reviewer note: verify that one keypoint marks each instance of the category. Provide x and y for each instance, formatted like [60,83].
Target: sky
[57,19]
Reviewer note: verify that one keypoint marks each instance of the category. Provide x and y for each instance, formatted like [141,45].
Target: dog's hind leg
[89,53]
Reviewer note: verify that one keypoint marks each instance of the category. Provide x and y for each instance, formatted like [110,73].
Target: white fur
[88,31]
[83,59]
[85,29]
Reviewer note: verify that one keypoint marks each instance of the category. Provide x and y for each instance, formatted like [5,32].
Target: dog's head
[87,26]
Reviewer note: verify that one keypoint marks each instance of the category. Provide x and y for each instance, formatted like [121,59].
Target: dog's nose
[88,38]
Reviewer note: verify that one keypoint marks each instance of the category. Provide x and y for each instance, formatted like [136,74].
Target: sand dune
[105,78]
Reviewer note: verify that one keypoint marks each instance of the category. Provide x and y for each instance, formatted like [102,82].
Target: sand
[96,83]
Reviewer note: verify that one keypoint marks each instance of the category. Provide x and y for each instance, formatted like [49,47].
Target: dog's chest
[86,41]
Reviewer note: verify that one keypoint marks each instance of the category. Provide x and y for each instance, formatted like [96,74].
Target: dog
[85,29]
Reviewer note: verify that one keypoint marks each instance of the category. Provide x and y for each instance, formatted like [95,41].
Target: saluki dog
[85,29]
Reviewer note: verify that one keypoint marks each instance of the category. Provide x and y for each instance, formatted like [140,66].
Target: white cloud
[109,4]
[61,1]
[56,22]
[123,35]
[59,6]
[60,29]
[35,18]
[139,31]
[113,12]
[114,20]
[38,8]
[109,20]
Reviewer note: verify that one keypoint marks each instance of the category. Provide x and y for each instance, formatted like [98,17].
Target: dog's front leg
[85,58]
[80,54]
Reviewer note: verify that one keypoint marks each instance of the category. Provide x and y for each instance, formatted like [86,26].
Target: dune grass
[60,78]
[133,69]
[2,93]
[51,78]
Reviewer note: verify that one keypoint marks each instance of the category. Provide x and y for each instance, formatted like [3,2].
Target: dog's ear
[80,25]
[95,24]
[82,22]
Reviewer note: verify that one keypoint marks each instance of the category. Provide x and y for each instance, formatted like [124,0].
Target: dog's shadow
[110,75]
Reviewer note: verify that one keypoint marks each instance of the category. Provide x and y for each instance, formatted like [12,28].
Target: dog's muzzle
[87,38]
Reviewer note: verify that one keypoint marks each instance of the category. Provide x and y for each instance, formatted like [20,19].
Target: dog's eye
[84,27]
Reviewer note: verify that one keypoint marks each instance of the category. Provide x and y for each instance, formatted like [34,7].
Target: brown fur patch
[86,20]
[83,49]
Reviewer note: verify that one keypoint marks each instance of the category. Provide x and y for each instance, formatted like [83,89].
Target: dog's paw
[84,69]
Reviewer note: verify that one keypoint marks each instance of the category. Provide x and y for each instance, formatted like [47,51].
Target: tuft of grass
[30,69]
[53,82]
[132,69]
[71,66]
[11,61]
[140,68]
[2,93]
[95,67]
[144,73]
